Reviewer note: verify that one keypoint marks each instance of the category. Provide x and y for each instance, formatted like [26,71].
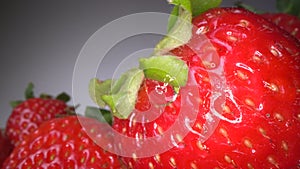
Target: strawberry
[64,143]
[258,125]
[5,147]
[27,115]
[287,22]
[286,16]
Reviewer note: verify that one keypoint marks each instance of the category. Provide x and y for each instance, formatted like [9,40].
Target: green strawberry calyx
[99,114]
[180,22]
[167,68]
[120,95]
[29,93]
[124,92]
[291,7]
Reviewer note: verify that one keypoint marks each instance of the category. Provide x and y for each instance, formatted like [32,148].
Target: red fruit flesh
[28,115]
[64,143]
[260,120]
[287,22]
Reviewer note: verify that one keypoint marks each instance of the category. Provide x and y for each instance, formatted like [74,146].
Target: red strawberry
[29,114]
[64,143]
[287,22]
[5,148]
[286,16]
[260,121]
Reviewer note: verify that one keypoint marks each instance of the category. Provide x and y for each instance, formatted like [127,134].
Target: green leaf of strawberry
[179,27]
[179,31]
[28,95]
[121,94]
[194,7]
[99,88]
[63,97]
[291,7]
[29,91]
[180,22]
[101,115]
[168,69]
[200,6]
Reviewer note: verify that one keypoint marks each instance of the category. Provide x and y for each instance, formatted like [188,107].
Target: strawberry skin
[5,148]
[260,119]
[63,143]
[288,22]
[27,116]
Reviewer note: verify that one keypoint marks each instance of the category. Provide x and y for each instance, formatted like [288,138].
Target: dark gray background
[40,40]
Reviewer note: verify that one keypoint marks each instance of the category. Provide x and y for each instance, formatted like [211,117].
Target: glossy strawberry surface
[287,22]
[28,115]
[258,67]
[64,143]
